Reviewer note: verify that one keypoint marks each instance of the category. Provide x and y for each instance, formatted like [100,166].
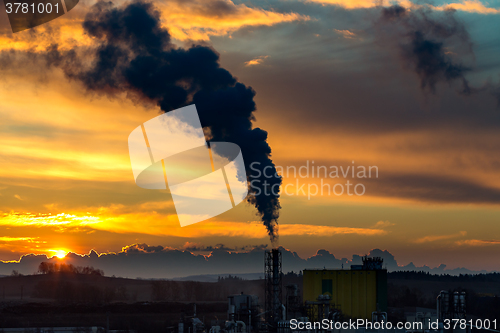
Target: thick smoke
[426,45]
[134,54]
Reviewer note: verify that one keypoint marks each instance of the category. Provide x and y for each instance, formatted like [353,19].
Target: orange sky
[66,182]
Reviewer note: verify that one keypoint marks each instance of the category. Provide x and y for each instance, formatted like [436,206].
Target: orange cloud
[383,224]
[346,34]
[352,4]
[185,20]
[470,6]
[322,231]
[256,61]
[153,223]
[478,242]
[434,238]
[40,220]
[67,135]
[21,244]
[67,33]
[16,239]
[473,6]
[257,230]
[201,19]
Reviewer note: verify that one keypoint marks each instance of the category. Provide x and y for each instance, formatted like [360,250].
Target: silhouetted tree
[51,268]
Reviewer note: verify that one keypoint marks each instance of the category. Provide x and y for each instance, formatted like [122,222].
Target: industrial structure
[341,296]
[334,294]
[274,308]
[293,302]
[451,305]
[358,293]
[243,310]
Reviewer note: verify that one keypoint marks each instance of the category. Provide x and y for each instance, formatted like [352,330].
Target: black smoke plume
[134,54]
[425,45]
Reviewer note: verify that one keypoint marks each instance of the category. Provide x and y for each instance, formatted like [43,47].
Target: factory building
[243,310]
[358,293]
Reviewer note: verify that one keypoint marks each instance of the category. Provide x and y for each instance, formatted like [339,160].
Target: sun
[60,253]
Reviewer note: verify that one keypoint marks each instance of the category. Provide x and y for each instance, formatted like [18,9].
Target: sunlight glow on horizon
[59,253]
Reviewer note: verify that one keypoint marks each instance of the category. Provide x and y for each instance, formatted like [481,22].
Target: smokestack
[273,282]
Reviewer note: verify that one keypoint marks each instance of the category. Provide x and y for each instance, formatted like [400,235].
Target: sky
[409,90]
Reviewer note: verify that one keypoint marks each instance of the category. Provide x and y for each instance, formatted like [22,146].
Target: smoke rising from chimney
[135,55]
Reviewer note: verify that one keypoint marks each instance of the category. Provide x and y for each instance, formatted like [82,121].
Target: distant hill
[215,277]
[405,289]
[81,288]
[159,263]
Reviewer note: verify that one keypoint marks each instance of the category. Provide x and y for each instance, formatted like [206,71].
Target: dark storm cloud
[195,248]
[222,247]
[426,42]
[134,54]
[380,98]
[144,248]
[171,263]
[426,186]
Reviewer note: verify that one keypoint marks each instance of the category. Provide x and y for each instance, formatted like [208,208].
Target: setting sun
[59,253]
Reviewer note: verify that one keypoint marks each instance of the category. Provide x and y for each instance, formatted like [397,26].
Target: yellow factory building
[357,292]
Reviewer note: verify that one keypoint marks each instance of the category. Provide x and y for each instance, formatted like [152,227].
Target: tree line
[52,268]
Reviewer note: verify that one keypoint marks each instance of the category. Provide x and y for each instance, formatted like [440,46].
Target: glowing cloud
[321,230]
[346,34]
[185,20]
[470,6]
[351,4]
[478,242]
[473,6]
[434,238]
[198,19]
[28,219]
[256,61]
[16,239]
